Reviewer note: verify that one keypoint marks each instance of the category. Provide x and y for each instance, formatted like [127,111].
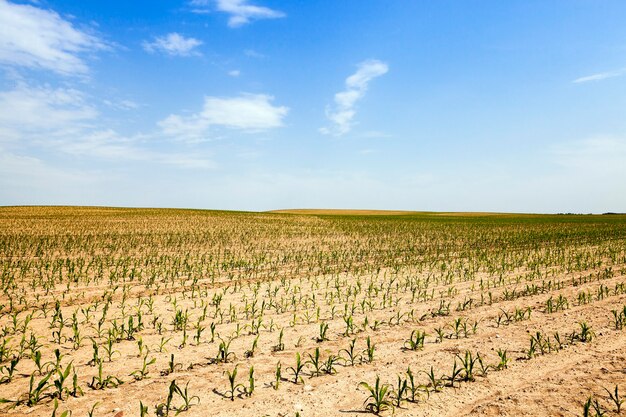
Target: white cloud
[248,112]
[600,76]
[234,73]
[122,104]
[241,11]
[28,110]
[37,38]
[173,44]
[342,115]
[108,144]
[251,53]
[61,121]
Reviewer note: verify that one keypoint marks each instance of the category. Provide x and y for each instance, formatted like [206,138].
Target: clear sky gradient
[515,106]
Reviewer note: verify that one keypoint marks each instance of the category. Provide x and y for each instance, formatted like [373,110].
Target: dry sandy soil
[395,301]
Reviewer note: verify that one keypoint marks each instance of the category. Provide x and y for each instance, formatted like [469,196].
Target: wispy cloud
[241,11]
[248,112]
[63,121]
[173,44]
[600,76]
[108,144]
[29,110]
[122,104]
[342,114]
[251,53]
[36,38]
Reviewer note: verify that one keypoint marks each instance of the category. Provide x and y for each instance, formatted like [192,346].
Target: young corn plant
[60,381]
[468,362]
[280,346]
[35,392]
[349,325]
[99,382]
[369,350]
[163,343]
[234,387]
[66,413]
[379,397]
[142,373]
[297,369]
[415,341]
[413,389]
[597,408]
[250,353]
[616,399]
[400,391]
[76,390]
[108,347]
[352,356]
[9,369]
[455,375]
[440,335]
[618,319]
[322,335]
[187,399]
[329,366]
[224,355]
[316,361]
[434,383]
[483,367]
[250,388]
[95,356]
[586,333]
[504,361]
[164,409]
[277,376]
[172,366]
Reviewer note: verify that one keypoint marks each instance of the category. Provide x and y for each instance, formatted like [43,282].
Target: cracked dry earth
[117,287]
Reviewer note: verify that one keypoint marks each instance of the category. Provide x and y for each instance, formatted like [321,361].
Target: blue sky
[264,104]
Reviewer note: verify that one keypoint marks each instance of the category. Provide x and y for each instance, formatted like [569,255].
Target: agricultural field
[156,312]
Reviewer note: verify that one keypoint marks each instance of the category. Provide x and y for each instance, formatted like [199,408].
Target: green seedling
[142,373]
[400,391]
[9,369]
[369,350]
[316,361]
[504,361]
[250,388]
[615,397]
[66,413]
[250,353]
[379,397]
[329,365]
[416,340]
[59,382]
[413,389]
[434,383]
[278,375]
[352,357]
[297,369]
[99,382]
[234,387]
[322,335]
[224,355]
